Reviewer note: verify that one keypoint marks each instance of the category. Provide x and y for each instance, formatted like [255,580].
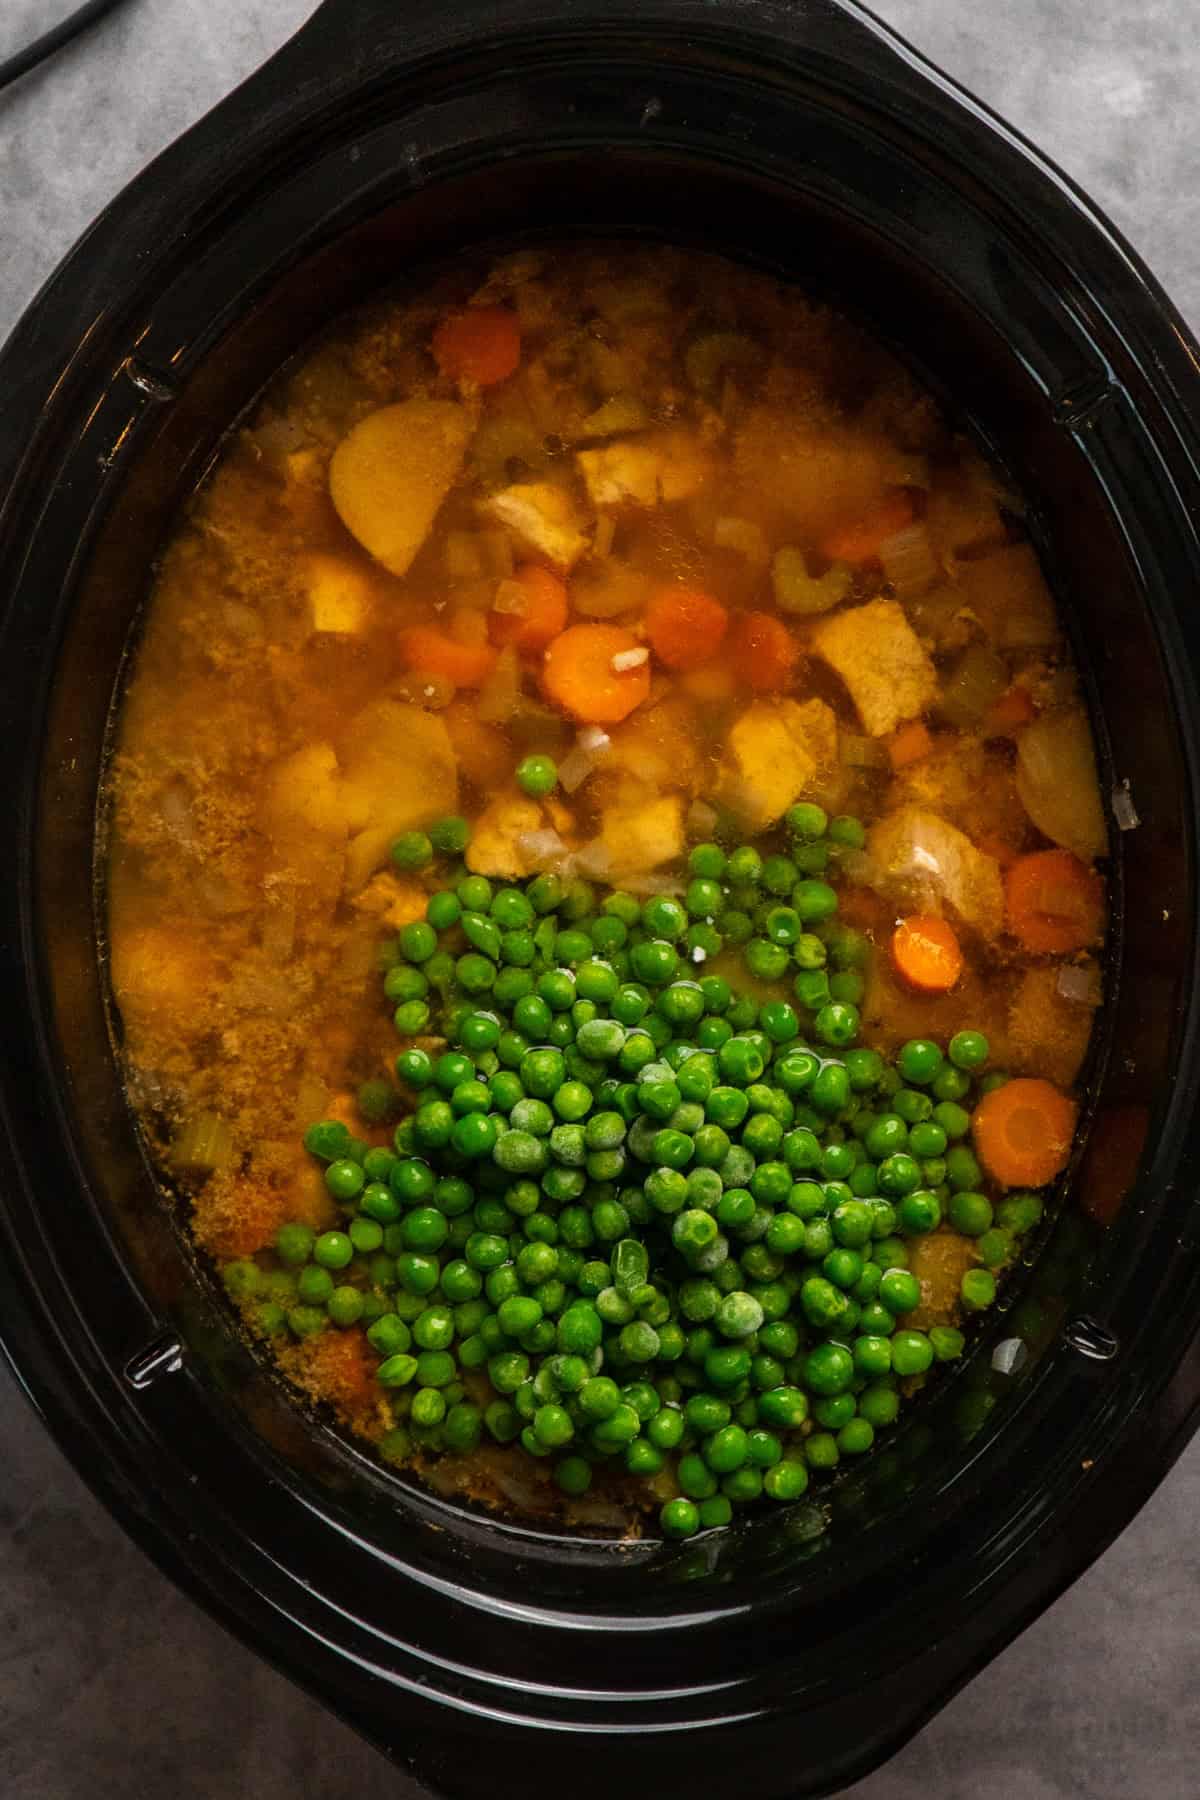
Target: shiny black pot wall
[792,1655]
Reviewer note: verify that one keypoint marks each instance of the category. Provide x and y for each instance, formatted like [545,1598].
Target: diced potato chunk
[774,752]
[917,859]
[543,520]
[643,834]
[882,662]
[391,900]
[1049,1033]
[939,1262]
[495,847]
[1058,784]
[746,537]
[666,467]
[157,971]
[303,793]
[659,747]
[483,755]
[399,773]
[338,594]
[389,476]
[1007,592]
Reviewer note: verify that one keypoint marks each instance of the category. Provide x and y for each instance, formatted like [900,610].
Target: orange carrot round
[1023,1132]
[927,954]
[434,653]
[1055,903]
[685,626]
[480,344]
[1013,709]
[763,652]
[858,541]
[545,613]
[910,744]
[578,674]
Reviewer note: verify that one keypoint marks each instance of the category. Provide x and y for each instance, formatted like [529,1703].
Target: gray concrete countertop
[113,1686]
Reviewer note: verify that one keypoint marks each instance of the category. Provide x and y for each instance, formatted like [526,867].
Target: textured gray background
[111,1685]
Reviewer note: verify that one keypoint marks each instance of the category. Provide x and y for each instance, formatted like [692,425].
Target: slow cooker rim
[1152,296]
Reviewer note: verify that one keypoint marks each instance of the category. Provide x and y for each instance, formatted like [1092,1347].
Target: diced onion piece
[701,819]
[600,1513]
[798,592]
[858,752]
[647,883]
[976,682]
[909,561]
[1124,811]
[541,847]
[574,769]
[1079,983]
[512,598]
[744,536]
[591,747]
[278,437]
[629,659]
[595,859]
[526,1496]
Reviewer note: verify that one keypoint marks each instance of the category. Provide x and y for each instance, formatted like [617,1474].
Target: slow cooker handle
[363,38]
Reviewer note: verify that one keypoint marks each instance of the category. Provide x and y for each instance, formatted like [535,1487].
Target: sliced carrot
[927,954]
[912,743]
[859,541]
[578,674]
[1012,710]
[480,344]
[685,626]
[763,652]
[1023,1132]
[544,599]
[1055,903]
[434,653]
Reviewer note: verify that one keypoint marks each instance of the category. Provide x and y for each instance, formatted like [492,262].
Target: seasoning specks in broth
[603,893]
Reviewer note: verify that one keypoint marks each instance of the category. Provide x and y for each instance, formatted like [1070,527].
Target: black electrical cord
[24,60]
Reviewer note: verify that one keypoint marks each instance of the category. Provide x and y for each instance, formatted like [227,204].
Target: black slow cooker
[796,1653]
